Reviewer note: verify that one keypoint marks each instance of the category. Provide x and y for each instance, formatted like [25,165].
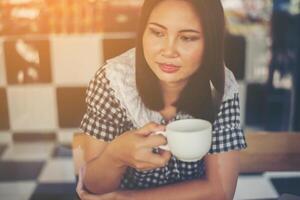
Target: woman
[174,73]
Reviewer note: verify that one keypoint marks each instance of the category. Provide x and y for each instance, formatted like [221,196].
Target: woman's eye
[156,33]
[189,38]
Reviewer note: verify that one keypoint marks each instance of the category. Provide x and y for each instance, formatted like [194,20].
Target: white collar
[120,71]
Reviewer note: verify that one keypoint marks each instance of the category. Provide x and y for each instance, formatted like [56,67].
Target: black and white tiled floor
[36,171]
[42,171]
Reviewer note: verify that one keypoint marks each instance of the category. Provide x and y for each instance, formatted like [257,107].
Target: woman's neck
[171,92]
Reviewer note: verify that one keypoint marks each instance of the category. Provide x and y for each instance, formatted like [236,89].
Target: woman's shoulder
[119,68]
[125,60]
[231,87]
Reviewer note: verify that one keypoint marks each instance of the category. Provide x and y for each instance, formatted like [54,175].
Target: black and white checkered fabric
[106,118]
[227,133]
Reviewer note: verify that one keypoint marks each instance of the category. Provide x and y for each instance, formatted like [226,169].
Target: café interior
[50,49]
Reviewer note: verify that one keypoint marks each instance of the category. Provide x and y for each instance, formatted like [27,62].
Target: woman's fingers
[159,160]
[166,154]
[149,160]
[138,145]
[150,128]
[145,159]
[155,141]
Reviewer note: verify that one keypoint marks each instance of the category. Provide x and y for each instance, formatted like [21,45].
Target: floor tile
[20,171]
[32,108]
[55,191]
[16,190]
[287,185]
[58,171]
[62,151]
[254,187]
[28,152]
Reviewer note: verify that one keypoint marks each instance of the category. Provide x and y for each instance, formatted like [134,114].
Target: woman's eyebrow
[190,30]
[159,25]
[183,30]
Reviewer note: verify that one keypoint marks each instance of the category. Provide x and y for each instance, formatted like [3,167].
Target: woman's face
[173,41]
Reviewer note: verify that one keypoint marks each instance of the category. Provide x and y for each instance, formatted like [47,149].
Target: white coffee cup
[188,139]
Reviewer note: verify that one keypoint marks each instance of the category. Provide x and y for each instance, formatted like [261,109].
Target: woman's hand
[135,148]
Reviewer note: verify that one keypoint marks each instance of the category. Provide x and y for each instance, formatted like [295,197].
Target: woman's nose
[169,49]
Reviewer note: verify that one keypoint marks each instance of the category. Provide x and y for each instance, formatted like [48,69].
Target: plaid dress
[114,107]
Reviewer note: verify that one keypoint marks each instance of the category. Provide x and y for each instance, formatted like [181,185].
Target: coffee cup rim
[207,124]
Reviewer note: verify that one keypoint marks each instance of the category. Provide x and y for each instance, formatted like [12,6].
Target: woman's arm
[219,184]
[221,177]
[108,163]
[101,167]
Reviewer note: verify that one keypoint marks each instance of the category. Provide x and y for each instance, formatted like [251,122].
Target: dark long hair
[196,98]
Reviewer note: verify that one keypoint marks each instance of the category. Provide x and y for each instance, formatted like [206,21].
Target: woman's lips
[168,68]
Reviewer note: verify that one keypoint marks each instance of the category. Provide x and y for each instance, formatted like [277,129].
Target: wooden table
[271,151]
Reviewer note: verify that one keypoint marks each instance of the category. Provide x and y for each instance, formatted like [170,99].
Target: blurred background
[50,49]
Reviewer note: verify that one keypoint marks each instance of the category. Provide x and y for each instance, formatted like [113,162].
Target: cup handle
[164,147]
